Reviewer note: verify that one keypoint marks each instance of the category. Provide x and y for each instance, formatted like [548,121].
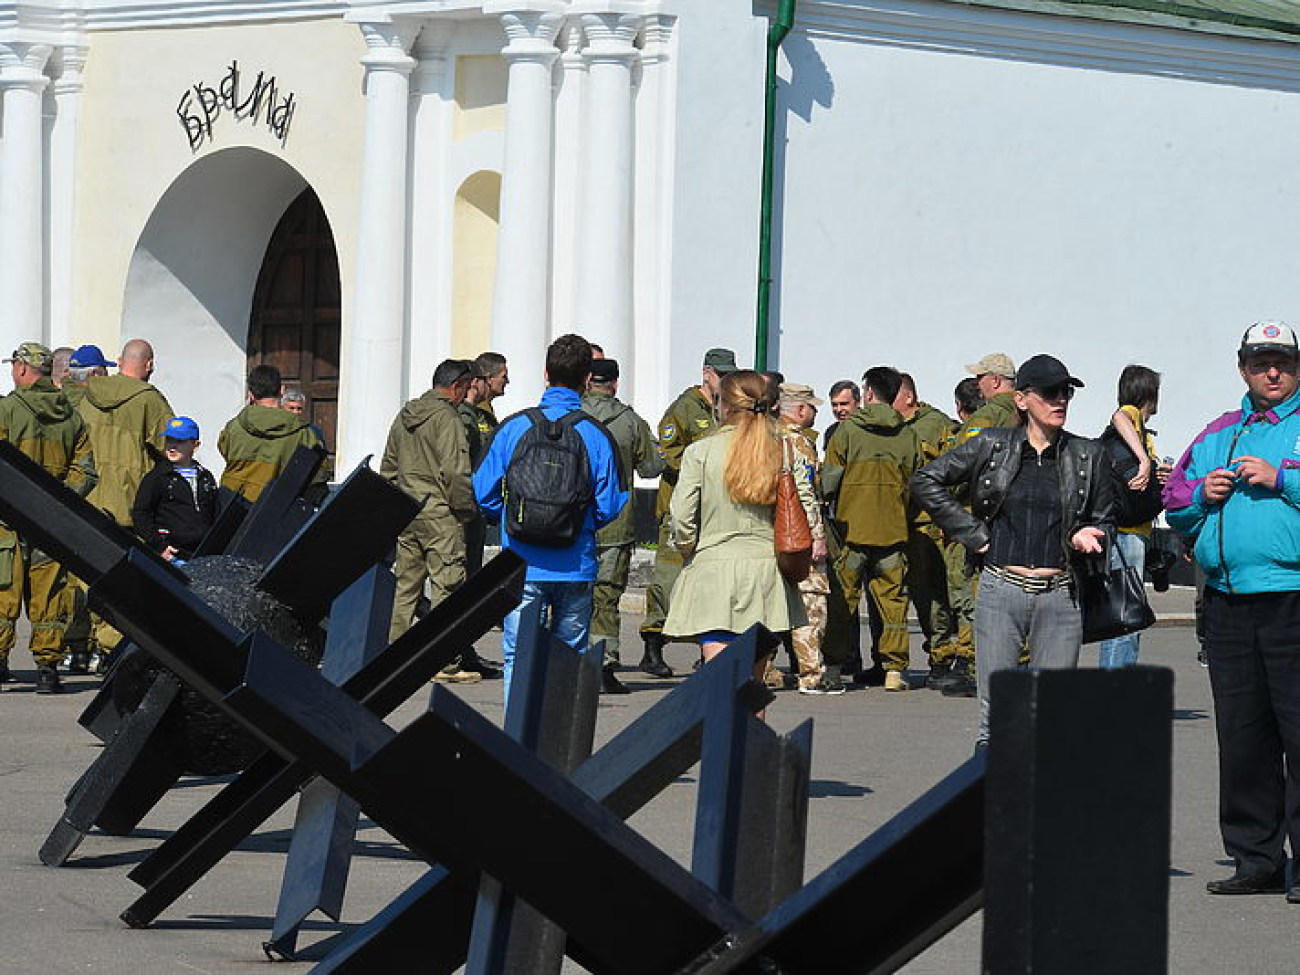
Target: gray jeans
[1010,622]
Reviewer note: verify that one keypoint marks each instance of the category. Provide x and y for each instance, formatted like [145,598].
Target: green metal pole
[776,33]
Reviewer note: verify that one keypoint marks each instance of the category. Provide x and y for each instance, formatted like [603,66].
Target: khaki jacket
[125,418]
[427,456]
[637,451]
[258,443]
[689,419]
[869,462]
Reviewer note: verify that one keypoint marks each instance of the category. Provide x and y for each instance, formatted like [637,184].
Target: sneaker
[486,669]
[79,662]
[454,675]
[825,687]
[895,681]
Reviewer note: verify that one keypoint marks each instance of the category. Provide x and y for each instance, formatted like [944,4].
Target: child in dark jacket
[177,500]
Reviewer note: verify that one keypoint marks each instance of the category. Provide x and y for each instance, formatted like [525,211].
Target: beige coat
[730,581]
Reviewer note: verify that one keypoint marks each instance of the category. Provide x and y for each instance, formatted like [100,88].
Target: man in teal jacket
[1236,492]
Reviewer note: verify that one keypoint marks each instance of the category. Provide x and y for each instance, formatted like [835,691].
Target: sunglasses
[1060,391]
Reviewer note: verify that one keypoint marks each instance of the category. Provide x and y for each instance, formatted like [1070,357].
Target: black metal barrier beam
[1078,821]
[382,685]
[278,509]
[626,773]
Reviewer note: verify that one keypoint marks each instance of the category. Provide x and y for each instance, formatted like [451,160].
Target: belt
[1030,584]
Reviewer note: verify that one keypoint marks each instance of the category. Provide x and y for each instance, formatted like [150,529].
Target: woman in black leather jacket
[1039,497]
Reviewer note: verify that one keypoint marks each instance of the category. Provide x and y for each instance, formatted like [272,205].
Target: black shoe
[79,662]
[610,684]
[874,677]
[6,675]
[47,681]
[961,679]
[939,675]
[475,664]
[652,662]
[1250,883]
[981,746]
[1293,895]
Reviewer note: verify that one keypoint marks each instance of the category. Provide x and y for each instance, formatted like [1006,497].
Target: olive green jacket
[935,430]
[41,423]
[690,418]
[637,451]
[258,443]
[125,418]
[869,461]
[427,456]
[997,411]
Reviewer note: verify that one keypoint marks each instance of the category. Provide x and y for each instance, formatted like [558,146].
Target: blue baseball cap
[87,357]
[181,428]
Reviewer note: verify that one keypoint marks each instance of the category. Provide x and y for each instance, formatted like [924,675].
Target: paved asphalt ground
[873,753]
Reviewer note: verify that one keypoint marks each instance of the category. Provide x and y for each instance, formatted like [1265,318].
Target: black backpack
[1132,508]
[547,486]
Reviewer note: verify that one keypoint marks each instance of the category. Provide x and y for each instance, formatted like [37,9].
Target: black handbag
[1113,602]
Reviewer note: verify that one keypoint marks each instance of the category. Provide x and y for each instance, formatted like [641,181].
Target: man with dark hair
[1236,493]
[261,438]
[967,398]
[38,420]
[494,369]
[845,399]
[427,456]
[869,462]
[560,578]
[927,578]
[637,451]
[690,418]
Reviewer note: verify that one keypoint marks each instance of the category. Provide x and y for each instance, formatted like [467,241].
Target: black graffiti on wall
[261,103]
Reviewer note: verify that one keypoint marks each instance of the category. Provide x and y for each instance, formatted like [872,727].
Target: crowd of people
[983,522]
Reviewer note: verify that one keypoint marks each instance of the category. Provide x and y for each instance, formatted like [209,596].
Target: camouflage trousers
[432,550]
[78,632]
[804,643]
[33,582]
[883,571]
[613,564]
[961,599]
[927,587]
[668,566]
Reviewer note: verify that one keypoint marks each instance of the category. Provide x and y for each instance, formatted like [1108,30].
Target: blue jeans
[1123,650]
[566,615]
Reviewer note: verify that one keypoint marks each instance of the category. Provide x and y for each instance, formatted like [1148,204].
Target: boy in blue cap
[177,500]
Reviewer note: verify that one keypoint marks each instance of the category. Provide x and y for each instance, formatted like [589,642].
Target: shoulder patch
[668,431]
[703,424]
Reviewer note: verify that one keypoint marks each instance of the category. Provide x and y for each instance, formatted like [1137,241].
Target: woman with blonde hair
[722,515]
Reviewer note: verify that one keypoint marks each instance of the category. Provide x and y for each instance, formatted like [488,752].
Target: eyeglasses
[1257,367]
[1060,391]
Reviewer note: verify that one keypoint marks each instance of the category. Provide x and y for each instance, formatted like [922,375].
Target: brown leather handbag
[793,536]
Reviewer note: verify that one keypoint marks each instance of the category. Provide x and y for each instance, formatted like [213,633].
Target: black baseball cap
[604,370]
[1043,372]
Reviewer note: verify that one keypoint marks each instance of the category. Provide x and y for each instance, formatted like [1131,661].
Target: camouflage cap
[794,393]
[721,361]
[33,354]
[996,364]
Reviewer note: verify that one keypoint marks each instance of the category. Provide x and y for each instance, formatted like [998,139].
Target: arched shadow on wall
[809,86]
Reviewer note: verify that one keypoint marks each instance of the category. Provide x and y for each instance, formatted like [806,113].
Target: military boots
[652,662]
[47,681]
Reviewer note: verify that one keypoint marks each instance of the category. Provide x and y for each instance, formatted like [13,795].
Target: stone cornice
[1016,35]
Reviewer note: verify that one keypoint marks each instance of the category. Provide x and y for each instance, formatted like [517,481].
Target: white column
[571,80]
[370,396]
[521,300]
[67,90]
[431,207]
[653,215]
[22,237]
[605,234]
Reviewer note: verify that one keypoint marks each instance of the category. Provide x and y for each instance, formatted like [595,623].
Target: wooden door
[295,324]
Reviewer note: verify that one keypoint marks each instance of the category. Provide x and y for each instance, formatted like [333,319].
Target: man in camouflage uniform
[480,423]
[870,460]
[427,456]
[995,375]
[125,416]
[37,419]
[690,418]
[79,645]
[927,577]
[798,406]
[259,441]
[638,452]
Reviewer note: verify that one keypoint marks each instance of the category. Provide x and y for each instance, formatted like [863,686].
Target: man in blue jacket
[561,580]
[1236,492]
